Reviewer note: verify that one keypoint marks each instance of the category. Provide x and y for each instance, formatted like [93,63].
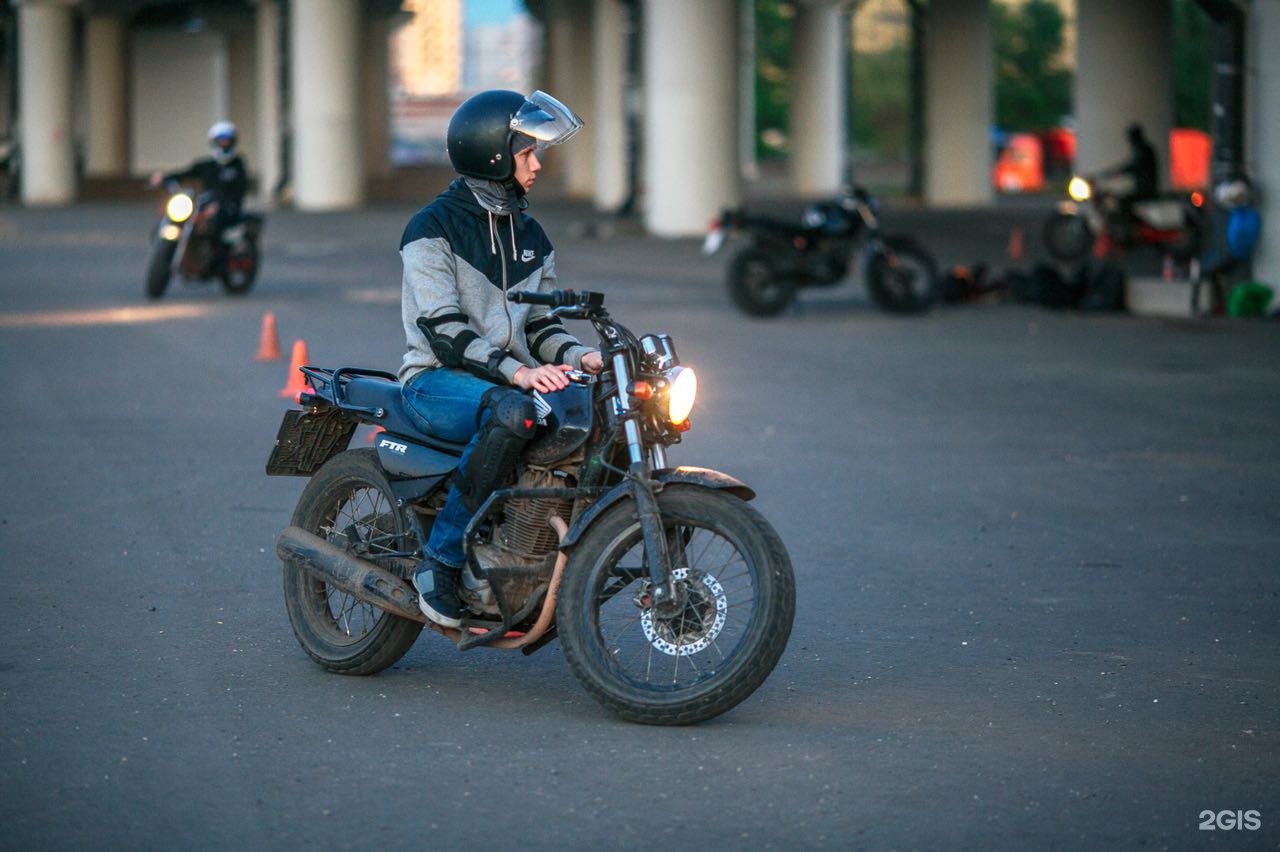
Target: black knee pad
[511,422]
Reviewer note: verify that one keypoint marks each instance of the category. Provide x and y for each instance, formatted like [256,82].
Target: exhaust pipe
[358,577]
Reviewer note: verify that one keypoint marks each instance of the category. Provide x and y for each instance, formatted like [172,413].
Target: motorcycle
[1095,220]
[781,256]
[672,597]
[186,242]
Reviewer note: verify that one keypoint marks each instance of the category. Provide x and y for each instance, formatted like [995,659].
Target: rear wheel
[349,503]
[240,269]
[736,602]
[1067,237]
[757,286]
[159,267]
[902,277]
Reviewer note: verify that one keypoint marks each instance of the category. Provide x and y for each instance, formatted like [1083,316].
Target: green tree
[773,23]
[1033,88]
[1192,65]
[881,93]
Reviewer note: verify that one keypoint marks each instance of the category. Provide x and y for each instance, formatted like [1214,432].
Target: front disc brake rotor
[692,627]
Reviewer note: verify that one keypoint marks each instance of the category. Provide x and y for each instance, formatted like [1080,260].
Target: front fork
[180,243]
[644,490]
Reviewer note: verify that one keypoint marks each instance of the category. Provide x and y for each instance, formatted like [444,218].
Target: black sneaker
[437,586]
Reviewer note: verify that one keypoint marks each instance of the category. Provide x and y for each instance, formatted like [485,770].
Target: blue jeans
[445,403]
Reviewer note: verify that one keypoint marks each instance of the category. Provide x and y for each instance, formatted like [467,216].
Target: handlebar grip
[554,299]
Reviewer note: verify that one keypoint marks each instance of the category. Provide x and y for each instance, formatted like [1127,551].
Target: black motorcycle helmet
[488,127]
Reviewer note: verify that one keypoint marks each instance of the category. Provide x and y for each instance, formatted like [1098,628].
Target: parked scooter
[187,242]
[1173,224]
[780,256]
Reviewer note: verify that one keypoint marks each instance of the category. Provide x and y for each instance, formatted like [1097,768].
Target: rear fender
[699,476]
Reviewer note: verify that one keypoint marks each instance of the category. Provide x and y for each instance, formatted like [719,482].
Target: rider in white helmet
[222,175]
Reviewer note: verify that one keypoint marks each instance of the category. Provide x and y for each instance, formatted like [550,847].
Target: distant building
[426,53]
[437,60]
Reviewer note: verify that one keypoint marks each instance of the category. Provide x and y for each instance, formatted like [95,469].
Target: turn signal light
[642,390]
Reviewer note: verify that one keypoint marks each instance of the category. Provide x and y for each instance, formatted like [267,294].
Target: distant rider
[222,175]
[1137,178]
[473,357]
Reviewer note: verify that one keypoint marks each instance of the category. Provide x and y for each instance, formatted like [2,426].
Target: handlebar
[558,299]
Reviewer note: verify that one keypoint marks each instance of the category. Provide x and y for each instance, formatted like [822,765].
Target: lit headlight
[180,207]
[682,390]
[1078,189]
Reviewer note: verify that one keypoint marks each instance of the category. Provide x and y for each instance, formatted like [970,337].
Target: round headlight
[1078,189]
[180,207]
[681,393]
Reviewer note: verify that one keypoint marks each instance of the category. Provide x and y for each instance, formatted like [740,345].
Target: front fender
[700,476]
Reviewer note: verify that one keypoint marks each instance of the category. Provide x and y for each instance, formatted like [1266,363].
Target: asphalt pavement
[1036,556]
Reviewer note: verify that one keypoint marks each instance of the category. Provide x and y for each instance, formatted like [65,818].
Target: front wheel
[349,503]
[902,277]
[240,268]
[735,604]
[159,267]
[757,286]
[1067,237]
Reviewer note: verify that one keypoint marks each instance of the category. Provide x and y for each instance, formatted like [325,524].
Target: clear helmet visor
[546,120]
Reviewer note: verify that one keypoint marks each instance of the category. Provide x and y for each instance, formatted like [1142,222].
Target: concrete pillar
[959,102]
[376,105]
[105,152]
[328,168]
[690,114]
[44,102]
[1123,74]
[267,92]
[570,55]
[817,99]
[609,109]
[1264,154]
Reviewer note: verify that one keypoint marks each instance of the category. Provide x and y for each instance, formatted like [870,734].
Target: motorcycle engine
[520,554]
[525,526]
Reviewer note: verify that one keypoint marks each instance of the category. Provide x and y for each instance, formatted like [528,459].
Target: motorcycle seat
[377,392]
[1162,213]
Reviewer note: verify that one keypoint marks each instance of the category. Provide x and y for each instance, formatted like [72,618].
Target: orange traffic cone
[269,342]
[1017,244]
[297,383]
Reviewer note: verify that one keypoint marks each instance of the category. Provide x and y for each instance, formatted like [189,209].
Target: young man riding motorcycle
[222,175]
[472,356]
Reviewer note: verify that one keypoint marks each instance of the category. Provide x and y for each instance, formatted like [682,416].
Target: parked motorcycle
[673,598]
[1173,224]
[186,242]
[780,256]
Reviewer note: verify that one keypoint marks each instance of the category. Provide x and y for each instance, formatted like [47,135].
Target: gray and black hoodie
[460,261]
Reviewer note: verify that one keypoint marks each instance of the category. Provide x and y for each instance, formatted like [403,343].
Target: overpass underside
[114,88]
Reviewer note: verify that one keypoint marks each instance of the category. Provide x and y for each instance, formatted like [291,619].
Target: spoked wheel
[757,286]
[902,277]
[1067,236]
[349,504]
[240,269]
[159,267]
[714,646]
